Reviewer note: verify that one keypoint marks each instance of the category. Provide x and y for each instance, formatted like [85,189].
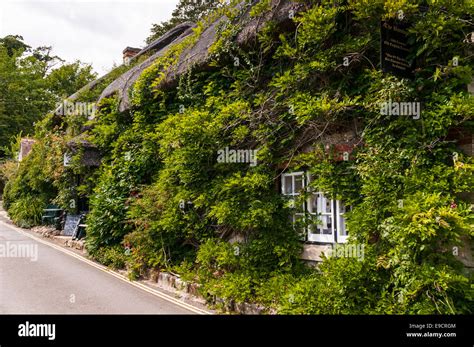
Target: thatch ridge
[123,84]
[197,56]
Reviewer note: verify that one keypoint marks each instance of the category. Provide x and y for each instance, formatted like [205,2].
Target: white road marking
[111,272]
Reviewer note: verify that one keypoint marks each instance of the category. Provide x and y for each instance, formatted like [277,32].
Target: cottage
[329,227]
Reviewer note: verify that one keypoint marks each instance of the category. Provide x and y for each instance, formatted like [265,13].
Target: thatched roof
[198,55]
[158,44]
[167,38]
[90,156]
[122,84]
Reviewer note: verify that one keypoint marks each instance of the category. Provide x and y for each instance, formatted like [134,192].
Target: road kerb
[112,273]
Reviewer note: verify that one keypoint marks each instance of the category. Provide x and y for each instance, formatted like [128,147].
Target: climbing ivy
[162,193]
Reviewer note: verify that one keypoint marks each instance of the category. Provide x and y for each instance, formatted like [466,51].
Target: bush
[27,212]
[290,96]
[114,257]
[30,187]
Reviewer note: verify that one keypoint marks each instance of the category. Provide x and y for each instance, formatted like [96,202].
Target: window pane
[327,203]
[343,208]
[326,226]
[313,204]
[342,226]
[319,203]
[288,185]
[298,183]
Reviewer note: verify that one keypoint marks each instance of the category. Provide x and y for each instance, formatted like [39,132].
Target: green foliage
[14,44]
[108,210]
[185,11]
[30,86]
[114,257]
[108,126]
[343,286]
[34,182]
[69,78]
[162,192]
[23,95]
[27,211]
[239,272]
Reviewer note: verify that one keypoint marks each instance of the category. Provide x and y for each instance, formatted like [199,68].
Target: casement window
[321,211]
[292,185]
[341,228]
[323,217]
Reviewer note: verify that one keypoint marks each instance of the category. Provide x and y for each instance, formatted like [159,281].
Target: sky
[94,32]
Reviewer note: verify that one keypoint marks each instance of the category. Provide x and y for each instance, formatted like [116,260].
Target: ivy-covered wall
[288,93]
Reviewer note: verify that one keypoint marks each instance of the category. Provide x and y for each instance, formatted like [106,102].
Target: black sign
[71,224]
[395,49]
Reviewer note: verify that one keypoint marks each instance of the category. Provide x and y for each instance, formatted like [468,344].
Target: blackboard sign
[395,48]
[71,224]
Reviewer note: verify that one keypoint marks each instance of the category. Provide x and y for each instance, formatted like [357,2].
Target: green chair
[52,215]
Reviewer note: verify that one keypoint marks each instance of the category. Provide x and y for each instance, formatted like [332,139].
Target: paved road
[59,283]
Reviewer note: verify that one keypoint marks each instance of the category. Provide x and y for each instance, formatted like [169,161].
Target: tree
[69,78]
[29,89]
[24,97]
[13,44]
[43,53]
[185,11]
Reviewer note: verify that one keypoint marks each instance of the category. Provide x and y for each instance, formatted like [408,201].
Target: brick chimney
[129,53]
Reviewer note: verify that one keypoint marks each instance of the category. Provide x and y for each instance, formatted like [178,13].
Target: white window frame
[341,226]
[319,236]
[293,195]
[337,227]
[292,175]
